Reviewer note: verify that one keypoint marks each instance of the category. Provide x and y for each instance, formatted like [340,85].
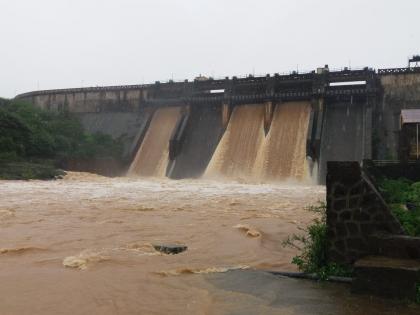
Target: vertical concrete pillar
[185,110]
[65,107]
[84,98]
[119,100]
[144,94]
[367,131]
[320,123]
[310,137]
[226,112]
[268,115]
[368,127]
[48,102]
[102,99]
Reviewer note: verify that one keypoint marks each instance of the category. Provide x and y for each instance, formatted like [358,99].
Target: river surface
[83,245]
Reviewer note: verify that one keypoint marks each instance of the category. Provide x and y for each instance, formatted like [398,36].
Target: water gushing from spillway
[283,155]
[153,155]
[236,153]
[246,153]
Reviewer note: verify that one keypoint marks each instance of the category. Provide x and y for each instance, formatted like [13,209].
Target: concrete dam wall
[202,135]
[255,128]
[345,135]
[127,126]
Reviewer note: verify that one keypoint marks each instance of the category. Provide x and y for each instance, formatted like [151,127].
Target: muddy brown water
[82,245]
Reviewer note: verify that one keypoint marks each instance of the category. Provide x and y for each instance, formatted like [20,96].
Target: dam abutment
[344,136]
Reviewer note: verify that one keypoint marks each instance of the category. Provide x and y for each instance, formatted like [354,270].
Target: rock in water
[170,249]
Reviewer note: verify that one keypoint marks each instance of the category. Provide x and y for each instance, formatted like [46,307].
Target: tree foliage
[28,132]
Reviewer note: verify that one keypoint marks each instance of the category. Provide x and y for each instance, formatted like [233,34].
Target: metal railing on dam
[399,70]
[289,86]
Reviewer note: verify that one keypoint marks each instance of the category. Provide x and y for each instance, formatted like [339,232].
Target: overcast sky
[46,44]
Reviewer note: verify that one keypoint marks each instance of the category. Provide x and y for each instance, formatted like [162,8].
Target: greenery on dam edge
[33,142]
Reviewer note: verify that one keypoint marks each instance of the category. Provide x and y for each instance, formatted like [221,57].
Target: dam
[253,128]
[86,243]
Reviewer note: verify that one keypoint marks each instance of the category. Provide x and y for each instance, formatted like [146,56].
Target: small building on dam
[264,128]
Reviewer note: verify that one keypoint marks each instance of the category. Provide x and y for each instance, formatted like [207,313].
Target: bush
[396,190]
[313,247]
[399,194]
[410,220]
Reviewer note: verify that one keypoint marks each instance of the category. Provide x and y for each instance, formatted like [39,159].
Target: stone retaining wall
[355,212]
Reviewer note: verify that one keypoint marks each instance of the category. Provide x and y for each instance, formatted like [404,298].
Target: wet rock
[170,249]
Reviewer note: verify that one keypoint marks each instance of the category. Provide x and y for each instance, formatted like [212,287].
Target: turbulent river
[83,245]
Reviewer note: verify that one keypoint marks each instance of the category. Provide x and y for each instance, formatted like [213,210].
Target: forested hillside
[34,141]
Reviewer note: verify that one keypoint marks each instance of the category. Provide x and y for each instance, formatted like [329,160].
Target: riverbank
[29,170]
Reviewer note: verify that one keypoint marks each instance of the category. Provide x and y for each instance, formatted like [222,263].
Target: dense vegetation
[33,141]
[313,247]
[403,196]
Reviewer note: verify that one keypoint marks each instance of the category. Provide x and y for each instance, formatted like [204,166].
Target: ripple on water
[20,250]
[187,271]
[249,231]
[85,258]
[90,257]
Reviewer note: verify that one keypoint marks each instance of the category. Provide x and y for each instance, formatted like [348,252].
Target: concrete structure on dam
[346,115]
